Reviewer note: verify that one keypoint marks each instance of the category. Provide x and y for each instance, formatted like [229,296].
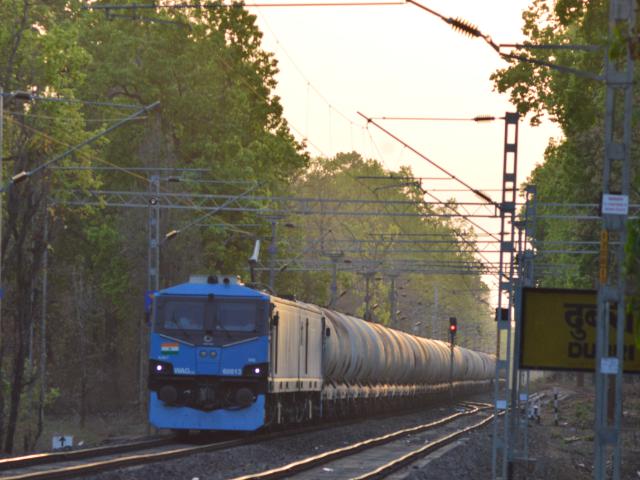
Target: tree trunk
[24,263]
[111,356]
[82,330]
[16,390]
[2,400]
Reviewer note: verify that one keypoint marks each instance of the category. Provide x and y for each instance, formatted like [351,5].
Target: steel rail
[390,467]
[110,464]
[323,458]
[145,457]
[70,455]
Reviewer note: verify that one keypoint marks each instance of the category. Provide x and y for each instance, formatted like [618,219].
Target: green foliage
[572,171]
[572,101]
[377,244]
[218,112]
[632,270]
[213,82]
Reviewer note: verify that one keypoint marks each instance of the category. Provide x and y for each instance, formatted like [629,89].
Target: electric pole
[616,176]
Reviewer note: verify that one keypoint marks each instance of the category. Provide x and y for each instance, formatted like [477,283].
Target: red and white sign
[615,204]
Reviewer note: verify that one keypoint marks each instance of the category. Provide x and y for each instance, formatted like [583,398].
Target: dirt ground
[99,429]
[566,451]
[557,452]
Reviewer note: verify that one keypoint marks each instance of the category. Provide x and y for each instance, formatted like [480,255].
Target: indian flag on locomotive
[170,348]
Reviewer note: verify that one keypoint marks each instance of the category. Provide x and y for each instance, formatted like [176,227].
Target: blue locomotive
[209,357]
[227,357]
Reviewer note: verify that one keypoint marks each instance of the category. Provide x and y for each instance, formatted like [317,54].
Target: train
[227,357]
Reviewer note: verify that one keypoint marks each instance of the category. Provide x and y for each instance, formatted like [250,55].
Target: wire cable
[177,6]
[480,194]
[129,171]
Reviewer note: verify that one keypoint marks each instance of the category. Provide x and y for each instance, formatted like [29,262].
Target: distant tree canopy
[423,252]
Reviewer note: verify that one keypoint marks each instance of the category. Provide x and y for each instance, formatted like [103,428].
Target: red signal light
[453,328]
[453,324]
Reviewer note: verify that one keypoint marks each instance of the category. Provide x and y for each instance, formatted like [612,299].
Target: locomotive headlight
[203,353]
[157,367]
[256,370]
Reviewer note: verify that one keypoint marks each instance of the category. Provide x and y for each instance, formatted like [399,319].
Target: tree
[381,242]
[572,171]
[40,50]
[215,85]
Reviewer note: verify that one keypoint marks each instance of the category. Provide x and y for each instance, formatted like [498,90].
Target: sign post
[565,323]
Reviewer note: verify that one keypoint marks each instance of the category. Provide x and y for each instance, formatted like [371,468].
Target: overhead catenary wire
[477,119]
[445,204]
[131,171]
[431,162]
[212,5]
[426,192]
[21,175]
[461,238]
[466,28]
[310,85]
[460,24]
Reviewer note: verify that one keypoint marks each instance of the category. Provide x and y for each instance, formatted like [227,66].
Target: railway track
[14,463]
[63,465]
[57,465]
[379,457]
[84,462]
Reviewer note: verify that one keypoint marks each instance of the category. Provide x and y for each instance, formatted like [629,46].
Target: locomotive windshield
[192,318]
[237,316]
[183,315]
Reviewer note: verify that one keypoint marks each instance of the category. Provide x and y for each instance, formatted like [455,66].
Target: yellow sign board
[559,331]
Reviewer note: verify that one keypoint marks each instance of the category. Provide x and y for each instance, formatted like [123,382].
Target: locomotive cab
[209,355]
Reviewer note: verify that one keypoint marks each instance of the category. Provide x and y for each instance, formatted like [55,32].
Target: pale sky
[401,61]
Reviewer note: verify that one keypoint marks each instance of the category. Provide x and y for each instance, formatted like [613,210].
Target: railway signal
[453,328]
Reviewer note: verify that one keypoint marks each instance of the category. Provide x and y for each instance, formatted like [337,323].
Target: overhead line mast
[616,179]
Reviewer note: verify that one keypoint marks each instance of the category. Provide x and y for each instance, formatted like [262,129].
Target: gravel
[558,452]
[563,452]
[261,456]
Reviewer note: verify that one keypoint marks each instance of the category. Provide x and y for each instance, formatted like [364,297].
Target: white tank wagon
[368,354]
[326,364]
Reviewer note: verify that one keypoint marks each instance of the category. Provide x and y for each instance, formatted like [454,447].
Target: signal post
[453,329]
